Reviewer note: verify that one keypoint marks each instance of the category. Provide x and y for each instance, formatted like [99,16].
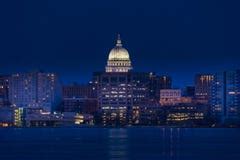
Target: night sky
[73,37]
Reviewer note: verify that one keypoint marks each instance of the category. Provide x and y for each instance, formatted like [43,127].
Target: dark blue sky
[73,37]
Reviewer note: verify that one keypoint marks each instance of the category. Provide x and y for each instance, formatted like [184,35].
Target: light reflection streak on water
[118,144]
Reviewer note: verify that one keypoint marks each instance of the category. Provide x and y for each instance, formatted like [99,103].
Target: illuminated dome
[118,59]
[118,52]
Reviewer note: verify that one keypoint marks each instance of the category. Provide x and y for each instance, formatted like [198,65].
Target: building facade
[156,83]
[78,91]
[114,97]
[6,116]
[119,94]
[188,114]
[4,89]
[35,90]
[225,97]
[80,105]
[79,98]
[203,84]
[170,97]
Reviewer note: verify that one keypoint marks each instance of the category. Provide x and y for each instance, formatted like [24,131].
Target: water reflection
[118,144]
[170,141]
[141,143]
[157,143]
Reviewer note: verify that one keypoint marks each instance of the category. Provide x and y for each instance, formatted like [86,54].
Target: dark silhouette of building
[156,83]
[189,91]
[78,91]
[80,105]
[79,98]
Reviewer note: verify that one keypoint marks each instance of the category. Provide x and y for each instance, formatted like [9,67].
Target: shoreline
[122,127]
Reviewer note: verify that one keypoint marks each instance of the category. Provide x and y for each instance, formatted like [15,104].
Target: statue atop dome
[119,41]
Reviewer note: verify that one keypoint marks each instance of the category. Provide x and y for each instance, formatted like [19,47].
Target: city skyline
[118,43]
[87,79]
[73,39]
[126,79]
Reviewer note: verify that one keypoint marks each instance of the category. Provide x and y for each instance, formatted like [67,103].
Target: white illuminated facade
[118,59]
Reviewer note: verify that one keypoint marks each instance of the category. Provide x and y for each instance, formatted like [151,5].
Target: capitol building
[120,92]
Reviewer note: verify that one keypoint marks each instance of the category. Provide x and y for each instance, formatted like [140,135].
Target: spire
[119,42]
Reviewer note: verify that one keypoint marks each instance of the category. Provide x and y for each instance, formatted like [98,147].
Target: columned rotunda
[118,59]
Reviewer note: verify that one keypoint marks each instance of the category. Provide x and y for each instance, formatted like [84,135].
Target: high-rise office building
[225,97]
[35,90]
[114,97]
[203,84]
[119,94]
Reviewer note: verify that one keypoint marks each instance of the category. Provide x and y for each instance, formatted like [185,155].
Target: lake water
[119,143]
